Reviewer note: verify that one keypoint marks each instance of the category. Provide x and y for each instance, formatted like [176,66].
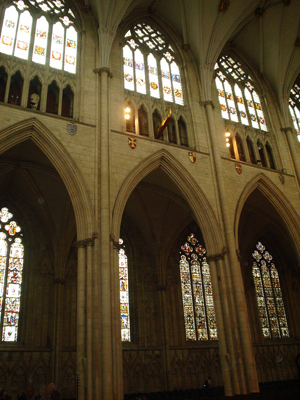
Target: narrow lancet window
[124,294]
[11,269]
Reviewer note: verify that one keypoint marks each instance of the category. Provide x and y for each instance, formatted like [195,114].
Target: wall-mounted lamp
[227,135]
[127,112]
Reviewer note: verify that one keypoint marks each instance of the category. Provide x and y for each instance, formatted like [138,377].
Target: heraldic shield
[72,129]
[132,143]
[238,168]
[192,156]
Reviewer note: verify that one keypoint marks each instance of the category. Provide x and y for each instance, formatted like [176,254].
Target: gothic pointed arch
[278,200]
[196,199]
[34,130]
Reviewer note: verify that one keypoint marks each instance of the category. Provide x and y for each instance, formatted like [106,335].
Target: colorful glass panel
[8,32]
[57,46]
[241,105]
[230,101]
[153,76]
[197,295]
[128,68]
[176,81]
[259,112]
[11,269]
[268,294]
[251,109]
[70,50]
[40,41]
[166,80]
[23,35]
[222,100]
[124,294]
[140,80]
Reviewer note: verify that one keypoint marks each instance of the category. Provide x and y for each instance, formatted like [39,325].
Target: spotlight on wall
[127,112]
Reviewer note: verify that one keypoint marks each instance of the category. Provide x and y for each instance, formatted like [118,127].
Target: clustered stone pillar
[240,330]
[291,138]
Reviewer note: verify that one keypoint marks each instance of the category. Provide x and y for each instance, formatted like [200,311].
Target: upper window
[41,31]
[124,294]
[238,99]
[268,294]
[149,65]
[294,105]
[197,295]
[11,269]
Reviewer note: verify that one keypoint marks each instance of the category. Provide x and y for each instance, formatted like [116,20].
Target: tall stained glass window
[150,66]
[294,106]
[238,100]
[268,294]
[197,294]
[124,294]
[11,269]
[52,32]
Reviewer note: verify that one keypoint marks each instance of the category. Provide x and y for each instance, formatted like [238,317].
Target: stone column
[243,334]
[89,315]
[291,138]
[58,303]
[81,319]
[221,327]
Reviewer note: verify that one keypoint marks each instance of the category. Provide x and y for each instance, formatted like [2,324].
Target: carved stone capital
[87,241]
[115,243]
[224,5]
[86,8]
[287,129]
[99,71]
[207,103]
[186,47]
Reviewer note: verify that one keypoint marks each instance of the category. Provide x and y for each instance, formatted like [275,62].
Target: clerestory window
[294,106]
[150,66]
[197,294]
[41,31]
[268,294]
[238,98]
[11,270]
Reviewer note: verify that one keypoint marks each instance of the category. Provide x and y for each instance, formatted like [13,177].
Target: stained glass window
[294,106]
[268,294]
[237,94]
[124,294]
[19,31]
[11,269]
[147,50]
[197,294]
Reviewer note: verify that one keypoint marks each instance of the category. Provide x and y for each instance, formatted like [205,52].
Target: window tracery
[268,294]
[42,31]
[238,99]
[11,269]
[124,294]
[197,295]
[294,106]
[152,78]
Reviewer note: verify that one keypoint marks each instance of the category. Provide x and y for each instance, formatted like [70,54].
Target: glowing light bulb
[127,109]
[227,134]
[127,116]
[228,144]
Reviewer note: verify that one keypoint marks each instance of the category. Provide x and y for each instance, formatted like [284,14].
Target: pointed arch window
[294,106]
[197,294]
[28,37]
[124,294]
[268,294]
[237,96]
[150,66]
[11,269]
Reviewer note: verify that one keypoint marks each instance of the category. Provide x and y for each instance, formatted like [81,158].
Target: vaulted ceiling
[265,32]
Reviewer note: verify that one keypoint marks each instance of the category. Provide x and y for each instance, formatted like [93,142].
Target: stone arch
[282,205]
[197,201]
[73,180]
